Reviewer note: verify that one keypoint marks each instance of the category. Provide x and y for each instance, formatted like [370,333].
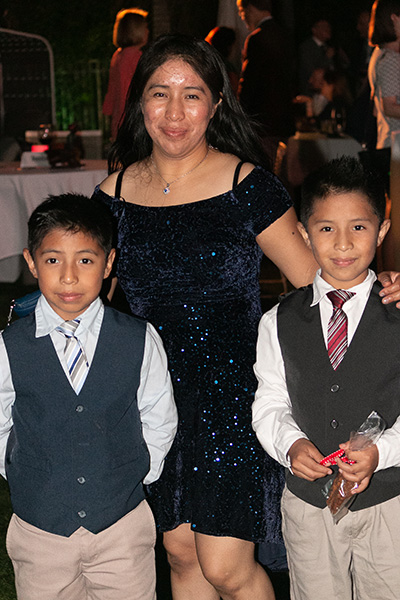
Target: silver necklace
[166,189]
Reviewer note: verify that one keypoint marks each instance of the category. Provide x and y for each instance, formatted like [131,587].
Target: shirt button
[82,514]
[79,408]
[335,387]
[81,480]
[334,424]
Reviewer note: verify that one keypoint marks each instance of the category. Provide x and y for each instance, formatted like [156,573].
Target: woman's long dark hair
[229,130]
[381,28]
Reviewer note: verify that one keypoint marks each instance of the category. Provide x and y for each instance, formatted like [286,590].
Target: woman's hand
[391,287]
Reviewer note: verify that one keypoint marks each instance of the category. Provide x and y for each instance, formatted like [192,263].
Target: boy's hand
[304,461]
[361,471]
[391,287]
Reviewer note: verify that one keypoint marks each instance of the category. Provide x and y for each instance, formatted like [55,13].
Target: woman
[130,34]
[384,68]
[193,221]
[223,39]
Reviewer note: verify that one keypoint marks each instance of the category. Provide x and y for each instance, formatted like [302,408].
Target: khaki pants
[357,559]
[115,564]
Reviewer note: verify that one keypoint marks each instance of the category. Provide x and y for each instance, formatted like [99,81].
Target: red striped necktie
[337,327]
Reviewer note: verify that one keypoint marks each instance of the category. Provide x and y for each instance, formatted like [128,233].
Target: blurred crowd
[320,83]
[308,86]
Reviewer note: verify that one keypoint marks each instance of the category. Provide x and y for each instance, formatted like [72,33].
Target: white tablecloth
[308,151]
[22,190]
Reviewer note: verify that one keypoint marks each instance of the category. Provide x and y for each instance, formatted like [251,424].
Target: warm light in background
[39,148]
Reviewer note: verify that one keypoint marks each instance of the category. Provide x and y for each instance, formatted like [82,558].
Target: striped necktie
[74,354]
[337,327]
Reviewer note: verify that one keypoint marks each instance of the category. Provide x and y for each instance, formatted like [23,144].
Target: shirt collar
[47,319]
[318,42]
[263,21]
[322,287]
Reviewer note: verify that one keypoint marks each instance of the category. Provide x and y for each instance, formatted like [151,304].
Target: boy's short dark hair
[72,213]
[342,176]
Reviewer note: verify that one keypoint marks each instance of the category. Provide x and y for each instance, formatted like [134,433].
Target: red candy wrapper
[331,459]
[338,490]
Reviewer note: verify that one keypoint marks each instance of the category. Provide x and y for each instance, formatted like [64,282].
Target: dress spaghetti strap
[236,175]
[118,184]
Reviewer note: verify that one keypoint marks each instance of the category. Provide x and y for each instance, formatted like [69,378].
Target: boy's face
[70,268]
[343,233]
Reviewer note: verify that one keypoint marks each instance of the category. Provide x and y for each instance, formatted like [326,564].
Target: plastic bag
[338,490]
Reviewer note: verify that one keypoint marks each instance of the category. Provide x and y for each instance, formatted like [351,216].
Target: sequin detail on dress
[192,270]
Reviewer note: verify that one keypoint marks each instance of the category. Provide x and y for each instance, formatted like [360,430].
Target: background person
[129,36]
[361,122]
[266,82]
[334,96]
[315,53]
[384,68]
[223,39]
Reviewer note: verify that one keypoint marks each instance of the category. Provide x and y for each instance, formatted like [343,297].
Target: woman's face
[177,106]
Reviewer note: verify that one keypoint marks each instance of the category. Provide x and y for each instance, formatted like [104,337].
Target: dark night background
[82,29]
[80,34]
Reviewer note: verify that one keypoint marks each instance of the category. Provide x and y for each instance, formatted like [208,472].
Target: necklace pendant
[166,190]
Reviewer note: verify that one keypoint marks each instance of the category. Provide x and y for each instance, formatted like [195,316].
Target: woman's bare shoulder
[130,173]
[245,169]
[108,184]
[227,164]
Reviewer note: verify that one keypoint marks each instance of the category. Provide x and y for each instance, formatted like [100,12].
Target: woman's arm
[388,82]
[390,107]
[283,244]
[113,285]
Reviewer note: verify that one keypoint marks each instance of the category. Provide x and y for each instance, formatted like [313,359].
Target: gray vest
[73,460]
[328,404]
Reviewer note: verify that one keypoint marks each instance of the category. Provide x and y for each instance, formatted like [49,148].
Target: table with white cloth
[307,151]
[22,190]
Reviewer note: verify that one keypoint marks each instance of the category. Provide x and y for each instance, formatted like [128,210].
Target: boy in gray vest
[86,417]
[327,357]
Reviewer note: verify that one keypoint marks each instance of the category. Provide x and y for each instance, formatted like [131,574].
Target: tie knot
[68,328]
[339,297]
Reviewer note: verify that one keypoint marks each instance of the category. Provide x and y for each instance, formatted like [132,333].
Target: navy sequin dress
[192,271]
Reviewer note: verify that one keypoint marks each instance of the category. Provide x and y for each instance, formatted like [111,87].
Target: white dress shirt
[156,404]
[272,410]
